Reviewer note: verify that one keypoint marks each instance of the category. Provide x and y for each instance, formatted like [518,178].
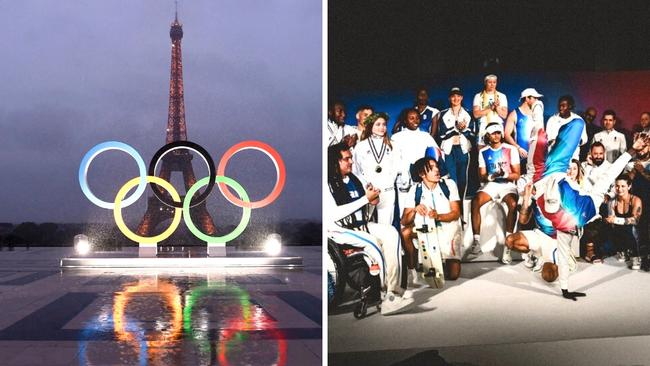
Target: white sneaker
[394,304]
[475,248]
[506,258]
[529,260]
[636,262]
[539,263]
[414,279]
[620,256]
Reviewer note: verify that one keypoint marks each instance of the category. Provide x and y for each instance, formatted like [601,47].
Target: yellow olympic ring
[117,212]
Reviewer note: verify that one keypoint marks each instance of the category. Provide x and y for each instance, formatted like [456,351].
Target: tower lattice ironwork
[177,160]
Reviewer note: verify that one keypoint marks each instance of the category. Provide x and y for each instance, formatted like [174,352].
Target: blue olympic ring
[98,149]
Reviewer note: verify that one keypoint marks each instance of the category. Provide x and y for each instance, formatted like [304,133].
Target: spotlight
[81,244]
[273,244]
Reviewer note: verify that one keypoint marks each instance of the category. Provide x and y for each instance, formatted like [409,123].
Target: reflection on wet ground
[224,317]
[155,320]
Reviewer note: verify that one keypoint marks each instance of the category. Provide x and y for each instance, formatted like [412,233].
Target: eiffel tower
[178,160]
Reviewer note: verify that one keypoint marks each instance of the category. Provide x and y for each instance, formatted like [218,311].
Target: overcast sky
[77,73]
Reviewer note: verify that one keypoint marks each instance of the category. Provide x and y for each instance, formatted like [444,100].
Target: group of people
[562,180]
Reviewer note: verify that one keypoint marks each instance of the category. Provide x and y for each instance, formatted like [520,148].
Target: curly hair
[421,167]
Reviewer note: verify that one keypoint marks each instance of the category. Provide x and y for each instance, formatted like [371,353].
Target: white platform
[116,262]
[186,257]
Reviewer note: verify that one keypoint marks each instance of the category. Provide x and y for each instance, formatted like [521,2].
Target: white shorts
[541,244]
[450,249]
[449,239]
[498,190]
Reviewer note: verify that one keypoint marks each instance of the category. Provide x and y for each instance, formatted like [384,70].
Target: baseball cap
[455,91]
[530,92]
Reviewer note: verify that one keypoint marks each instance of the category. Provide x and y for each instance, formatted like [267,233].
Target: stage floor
[158,317]
[507,315]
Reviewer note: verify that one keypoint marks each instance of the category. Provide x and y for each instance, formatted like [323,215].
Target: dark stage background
[598,51]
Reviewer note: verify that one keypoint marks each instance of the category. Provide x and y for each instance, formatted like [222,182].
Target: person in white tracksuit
[378,163]
[412,144]
[346,223]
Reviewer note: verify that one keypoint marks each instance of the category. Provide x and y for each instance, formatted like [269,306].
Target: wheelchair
[347,266]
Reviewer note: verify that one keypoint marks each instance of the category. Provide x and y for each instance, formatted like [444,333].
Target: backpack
[418,190]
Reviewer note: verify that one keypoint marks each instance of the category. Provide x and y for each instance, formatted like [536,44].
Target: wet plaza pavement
[157,317]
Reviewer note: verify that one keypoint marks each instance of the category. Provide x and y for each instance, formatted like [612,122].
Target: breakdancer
[566,207]
[540,241]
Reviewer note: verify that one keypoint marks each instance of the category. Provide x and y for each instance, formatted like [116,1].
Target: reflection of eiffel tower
[177,160]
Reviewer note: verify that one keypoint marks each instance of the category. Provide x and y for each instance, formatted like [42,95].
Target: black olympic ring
[190,146]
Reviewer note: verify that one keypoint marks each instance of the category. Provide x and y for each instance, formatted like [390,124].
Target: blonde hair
[488,77]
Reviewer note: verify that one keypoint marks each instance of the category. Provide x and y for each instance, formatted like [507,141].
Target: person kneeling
[435,202]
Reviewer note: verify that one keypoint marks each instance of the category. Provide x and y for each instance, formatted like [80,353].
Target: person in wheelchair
[347,210]
[434,201]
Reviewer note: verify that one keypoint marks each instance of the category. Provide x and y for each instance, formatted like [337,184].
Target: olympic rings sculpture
[182,209]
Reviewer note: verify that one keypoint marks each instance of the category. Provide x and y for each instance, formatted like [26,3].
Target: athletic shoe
[620,256]
[529,259]
[506,258]
[475,248]
[539,263]
[645,264]
[394,304]
[414,279]
[636,262]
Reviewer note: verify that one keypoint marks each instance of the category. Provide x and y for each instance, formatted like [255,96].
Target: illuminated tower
[177,160]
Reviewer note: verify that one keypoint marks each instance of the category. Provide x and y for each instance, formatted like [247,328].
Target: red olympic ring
[279,170]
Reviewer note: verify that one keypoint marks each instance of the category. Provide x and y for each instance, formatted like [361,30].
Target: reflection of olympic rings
[214,177]
[102,325]
[172,299]
[197,293]
[235,328]
[175,146]
[230,333]
[279,170]
[145,343]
